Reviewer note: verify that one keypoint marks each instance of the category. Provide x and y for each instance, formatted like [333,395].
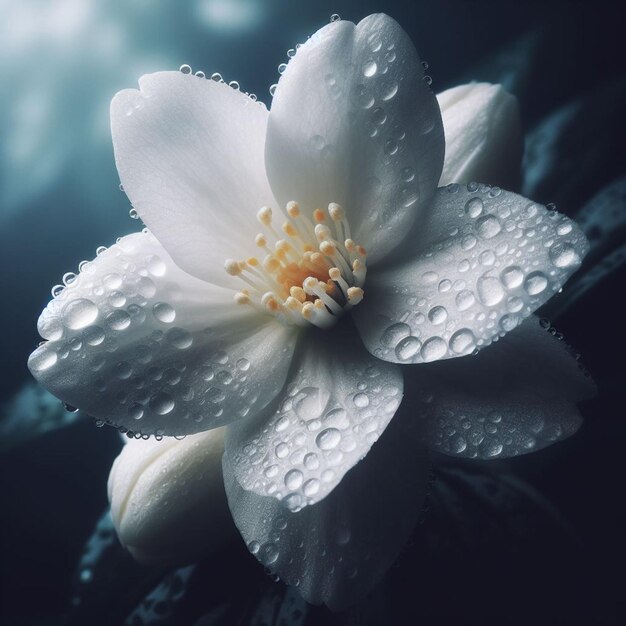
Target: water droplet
[512,277]
[135,411]
[185,69]
[463,341]
[233,84]
[217,77]
[370,68]
[311,487]
[161,403]
[437,315]
[474,207]
[509,322]
[464,300]
[79,313]
[335,17]
[243,364]
[488,226]
[308,403]
[433,349]
[118,320]
[389,90]
[407,348]
[394,333]
[361,400]
[535,283]
[281,68]
[564,255]
[179,338]
[293,479]
[273,89]
[328,439]
[164,312]
[155,265]
[391,147]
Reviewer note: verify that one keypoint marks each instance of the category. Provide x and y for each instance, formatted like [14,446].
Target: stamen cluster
[311,272]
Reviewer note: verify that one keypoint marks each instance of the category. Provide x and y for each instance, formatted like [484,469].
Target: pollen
[312,270]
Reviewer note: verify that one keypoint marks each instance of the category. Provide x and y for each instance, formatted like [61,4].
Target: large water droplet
[433,349]
[512,277]
[328,439]
[161,403]
[407,348]
[564,255]
[488,226]
[164,312]
[463,341]
[535,283]
[369,69]
[79,313]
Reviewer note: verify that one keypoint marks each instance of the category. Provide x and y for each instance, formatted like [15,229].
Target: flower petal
[517,397]
[167,497]
[336,404]
[353,122]
[483,134]
[137,342]
[189,153]
[490,258]
[337,550]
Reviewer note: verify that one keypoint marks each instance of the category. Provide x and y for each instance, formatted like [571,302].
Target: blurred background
[61,61]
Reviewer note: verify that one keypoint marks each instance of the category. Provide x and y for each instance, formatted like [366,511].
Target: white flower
[269,234]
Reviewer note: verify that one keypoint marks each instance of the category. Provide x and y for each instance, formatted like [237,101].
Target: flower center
[311,272]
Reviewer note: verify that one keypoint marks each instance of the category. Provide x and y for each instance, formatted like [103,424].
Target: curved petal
[189,153]
[337,402]
[489,259]
[517,397]
[353,122]
[138,343]
[483,134]
[167,498]
[335,551]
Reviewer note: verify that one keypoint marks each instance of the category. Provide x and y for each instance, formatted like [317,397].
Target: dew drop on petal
[79,313]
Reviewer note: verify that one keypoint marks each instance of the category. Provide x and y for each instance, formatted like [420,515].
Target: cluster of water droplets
[317,435]
[119,347]
[530,413]
[217,78]
[504,257]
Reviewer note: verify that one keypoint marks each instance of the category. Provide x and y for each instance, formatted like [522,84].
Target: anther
[355,295]
[264,215]
[318,216]
[232,267]
[335,211]
[293,209]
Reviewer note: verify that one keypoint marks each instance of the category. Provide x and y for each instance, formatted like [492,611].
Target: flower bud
[483,135]
[167,498]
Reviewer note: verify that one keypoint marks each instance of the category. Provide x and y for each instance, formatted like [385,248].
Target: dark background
[539,539]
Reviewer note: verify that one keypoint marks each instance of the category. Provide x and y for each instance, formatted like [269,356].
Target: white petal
[137,342]
[353,122]
[336,404]
[483,133]
[490,259]
[517,397]
[189,153]
[335,551]
[167,498]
